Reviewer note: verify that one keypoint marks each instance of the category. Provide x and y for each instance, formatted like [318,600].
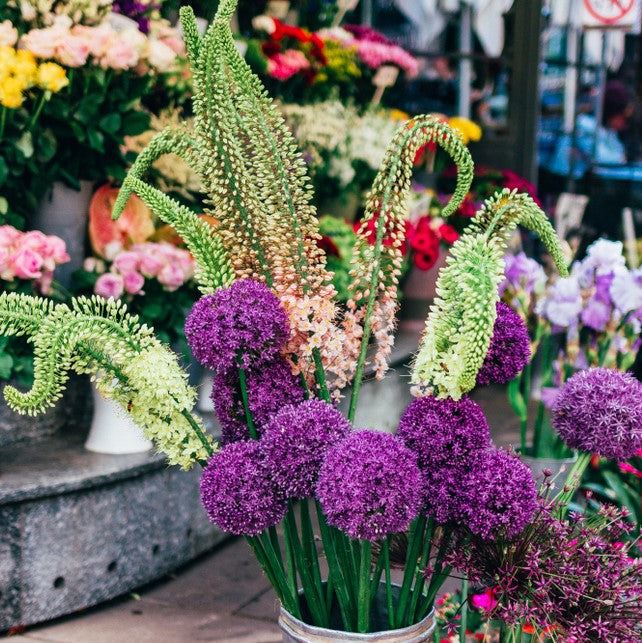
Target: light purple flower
[596,314]
[605,256]
[563,303]
[522,273]
[626,291]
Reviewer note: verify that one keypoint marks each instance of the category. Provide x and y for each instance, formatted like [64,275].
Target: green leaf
[46,146]
[135,122]
[625,495]
[152,310]
[4,205]
[4,170]
[6,366]
[110,123]
[96,140]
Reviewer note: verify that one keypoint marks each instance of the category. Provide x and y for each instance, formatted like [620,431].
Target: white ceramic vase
[112,431]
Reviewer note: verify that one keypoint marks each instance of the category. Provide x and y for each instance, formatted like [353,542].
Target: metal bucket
[296,631]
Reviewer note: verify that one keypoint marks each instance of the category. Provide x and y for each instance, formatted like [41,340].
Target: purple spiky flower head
[370,485]
[599,410]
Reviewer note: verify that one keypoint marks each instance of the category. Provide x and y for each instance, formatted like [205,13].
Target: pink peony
[160,55]
[121,54]
[5,268]
[127,262]
[8,34]
[56,249]
[97,39]
[26,264]
[134,282]
[375,54]
[72,51]
[109,285]
[34,240]
[171,276]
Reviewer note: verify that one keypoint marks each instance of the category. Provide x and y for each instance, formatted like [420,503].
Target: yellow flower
[11,92]
[469,131]
[25,67]
[398,115]
[52,77]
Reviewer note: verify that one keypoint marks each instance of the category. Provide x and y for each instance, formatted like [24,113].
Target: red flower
[420,155]
[448,233]
[270,48]
[467,208]
[371,233]
[328,246]
[595,461]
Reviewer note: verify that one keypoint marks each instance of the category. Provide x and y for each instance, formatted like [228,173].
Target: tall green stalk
[363,622]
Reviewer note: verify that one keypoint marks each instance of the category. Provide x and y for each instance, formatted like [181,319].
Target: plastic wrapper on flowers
[285,352]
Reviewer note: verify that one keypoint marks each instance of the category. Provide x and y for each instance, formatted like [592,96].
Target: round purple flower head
[509,349]
[600,411]
[370,485]
[245,319]
[295,443]
[497,495]
[238,492]
[269,387]
[442,431]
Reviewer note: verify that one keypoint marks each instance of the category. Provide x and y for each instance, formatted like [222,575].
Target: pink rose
[5,270]
[56,249]
[8,235]
[126,262]
[72,51]
[150,265]
[8,34]
[134,283]
[34,240]
[98,39]
[160,56]
[284,65]
[42,43]
[170,37]
[120,55]
[44,283]
[109,285]
[171,276]
[26,264]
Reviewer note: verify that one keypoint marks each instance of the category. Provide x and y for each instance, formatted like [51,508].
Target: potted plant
[268,324]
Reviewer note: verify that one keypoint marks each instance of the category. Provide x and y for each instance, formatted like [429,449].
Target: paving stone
[10,558]
[146,622]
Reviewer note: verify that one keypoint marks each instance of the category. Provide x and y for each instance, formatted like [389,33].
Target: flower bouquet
[269,326]
[92,65]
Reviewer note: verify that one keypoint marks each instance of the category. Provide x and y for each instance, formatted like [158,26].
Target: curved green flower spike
[100,337]
[460,324]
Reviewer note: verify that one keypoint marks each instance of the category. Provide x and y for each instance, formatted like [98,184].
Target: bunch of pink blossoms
[30,255]
[171,266]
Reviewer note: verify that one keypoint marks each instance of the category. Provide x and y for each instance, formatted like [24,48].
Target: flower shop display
[92,65]
[348,62]
[283,352]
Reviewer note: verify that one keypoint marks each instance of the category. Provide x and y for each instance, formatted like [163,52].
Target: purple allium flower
[497,495]
[509,349]
[522,273]
[600,411]
[370,485]
[563,303]
[269,387]
[245,319]
[238,492]
[442,431]
[296,440]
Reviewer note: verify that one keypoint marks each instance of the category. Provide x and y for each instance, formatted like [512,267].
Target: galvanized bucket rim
[285,618]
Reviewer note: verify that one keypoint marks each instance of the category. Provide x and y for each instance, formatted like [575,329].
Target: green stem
[321,381]
[36,114]
[539,419]
[246,401]
[571,483]
[274,539]
[311,555]
[463,624]
[415,541]
[290,558]
[335,575]
[421,577]
[386,563]
[197,429]
[363,603]
[376,578]
[3,121]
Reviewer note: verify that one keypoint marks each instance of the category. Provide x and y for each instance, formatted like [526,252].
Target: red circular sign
[609,11]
